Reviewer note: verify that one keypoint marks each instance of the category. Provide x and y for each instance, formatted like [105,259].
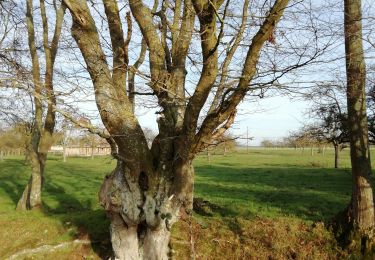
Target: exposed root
[47,248]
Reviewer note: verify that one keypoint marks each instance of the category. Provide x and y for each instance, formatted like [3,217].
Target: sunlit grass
[275,183]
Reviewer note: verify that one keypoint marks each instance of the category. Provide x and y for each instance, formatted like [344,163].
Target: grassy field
[267,204]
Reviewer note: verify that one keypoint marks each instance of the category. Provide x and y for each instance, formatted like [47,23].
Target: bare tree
[14,137]
[151,187]
[42,129]
[330,115]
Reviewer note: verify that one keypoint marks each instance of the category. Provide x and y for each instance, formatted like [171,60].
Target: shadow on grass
[91,223]
[69,195]
[12,179]
[314,194]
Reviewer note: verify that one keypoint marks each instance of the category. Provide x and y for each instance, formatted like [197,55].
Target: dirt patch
[205,208]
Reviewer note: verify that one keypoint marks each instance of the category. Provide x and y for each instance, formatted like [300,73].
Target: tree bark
[32,195]
[362,194]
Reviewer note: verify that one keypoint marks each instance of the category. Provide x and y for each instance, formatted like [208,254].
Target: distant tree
[331,119]
[14,137]
[90,140]
[224,144]
[267,143]
[290,141]
[302,138]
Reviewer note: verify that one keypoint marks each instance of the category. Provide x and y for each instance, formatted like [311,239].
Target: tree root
[47,248]
[359,243]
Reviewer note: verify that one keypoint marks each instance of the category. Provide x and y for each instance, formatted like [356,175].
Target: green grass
[274,183]
[70,198]
[286,188]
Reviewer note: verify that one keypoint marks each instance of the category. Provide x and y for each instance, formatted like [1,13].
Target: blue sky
[271,118]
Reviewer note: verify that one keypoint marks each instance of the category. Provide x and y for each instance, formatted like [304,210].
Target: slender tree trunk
[355,227]
[92,150]
[32,195]
[362,194]
[64,153]
[337,152]
[208,155]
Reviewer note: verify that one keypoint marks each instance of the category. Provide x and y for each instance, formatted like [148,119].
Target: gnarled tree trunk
[141,215]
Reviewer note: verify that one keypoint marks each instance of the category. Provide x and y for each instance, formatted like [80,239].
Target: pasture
[266,204]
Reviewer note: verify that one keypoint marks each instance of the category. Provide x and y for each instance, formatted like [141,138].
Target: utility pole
[247,138]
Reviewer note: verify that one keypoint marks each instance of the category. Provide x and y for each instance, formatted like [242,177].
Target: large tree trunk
[138,241]
[142,216]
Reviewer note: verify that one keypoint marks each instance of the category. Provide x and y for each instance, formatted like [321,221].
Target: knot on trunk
[120,193]
[156,215]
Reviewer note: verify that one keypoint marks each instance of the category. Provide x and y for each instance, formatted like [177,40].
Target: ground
[265,204]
